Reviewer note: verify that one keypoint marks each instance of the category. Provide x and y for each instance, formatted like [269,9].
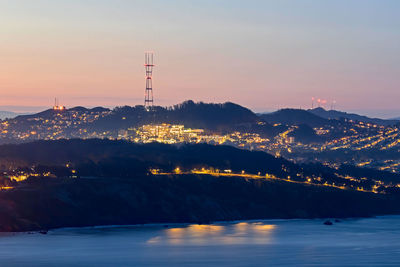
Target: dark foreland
[103,182]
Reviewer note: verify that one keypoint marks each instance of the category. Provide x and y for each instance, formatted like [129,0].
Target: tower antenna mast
[148,95]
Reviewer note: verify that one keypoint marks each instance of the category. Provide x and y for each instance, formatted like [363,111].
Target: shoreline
[173,225]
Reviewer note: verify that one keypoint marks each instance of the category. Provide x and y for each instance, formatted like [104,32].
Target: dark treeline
[129,158]
[106,158]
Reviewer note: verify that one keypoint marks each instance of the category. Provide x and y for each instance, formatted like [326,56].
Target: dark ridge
[337,115]
[45,114]
[124,158]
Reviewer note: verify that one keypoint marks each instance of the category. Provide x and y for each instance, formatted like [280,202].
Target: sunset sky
[261,54]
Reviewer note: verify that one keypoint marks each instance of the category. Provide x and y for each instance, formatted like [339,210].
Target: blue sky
[261,54]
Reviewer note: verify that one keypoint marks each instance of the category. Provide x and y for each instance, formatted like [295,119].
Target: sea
[347,242]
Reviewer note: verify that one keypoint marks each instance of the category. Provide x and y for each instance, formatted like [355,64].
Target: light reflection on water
[239,233]
[363,242]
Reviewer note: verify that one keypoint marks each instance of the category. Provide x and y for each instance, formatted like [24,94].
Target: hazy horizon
[264,55]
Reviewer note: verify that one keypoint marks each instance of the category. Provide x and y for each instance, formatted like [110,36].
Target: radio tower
[148,95]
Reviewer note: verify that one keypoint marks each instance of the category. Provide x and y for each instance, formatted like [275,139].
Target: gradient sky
[260,54]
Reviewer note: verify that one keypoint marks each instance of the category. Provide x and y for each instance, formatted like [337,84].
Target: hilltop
[296,117]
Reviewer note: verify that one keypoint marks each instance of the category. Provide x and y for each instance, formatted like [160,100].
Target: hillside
[45,203]
[214,117]
[106,158]
[295,117]
[129,158]
[80,122]
[337,115]
[114,186]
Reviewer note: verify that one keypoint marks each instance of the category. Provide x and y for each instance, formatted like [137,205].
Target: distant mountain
[7,114]
[295,117]
[334,114]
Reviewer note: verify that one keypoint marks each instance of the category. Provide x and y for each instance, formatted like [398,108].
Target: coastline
[167,225]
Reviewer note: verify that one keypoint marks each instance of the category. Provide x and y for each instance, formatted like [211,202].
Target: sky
[263,55]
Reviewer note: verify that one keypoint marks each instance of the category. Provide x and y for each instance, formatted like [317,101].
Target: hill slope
[50,203]
[334,114]
[115,187]
[106,158]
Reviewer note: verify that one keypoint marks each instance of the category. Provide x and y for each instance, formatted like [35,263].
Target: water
[360,242]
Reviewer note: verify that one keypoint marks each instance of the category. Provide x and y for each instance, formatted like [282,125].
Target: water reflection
[263,228]
[268,243]
[237,233]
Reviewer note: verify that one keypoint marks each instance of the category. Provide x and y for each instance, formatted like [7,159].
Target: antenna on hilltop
[57,105]
[149,64]
[333,104]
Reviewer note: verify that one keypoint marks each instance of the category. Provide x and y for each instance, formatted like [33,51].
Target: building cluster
[167,133]
[57,124]
[174,134]
[79,123]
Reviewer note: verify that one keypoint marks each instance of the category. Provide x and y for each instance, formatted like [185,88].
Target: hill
[337,115]
[107,158]
[295,117]
[215,117]
[80,122]
[46,203]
